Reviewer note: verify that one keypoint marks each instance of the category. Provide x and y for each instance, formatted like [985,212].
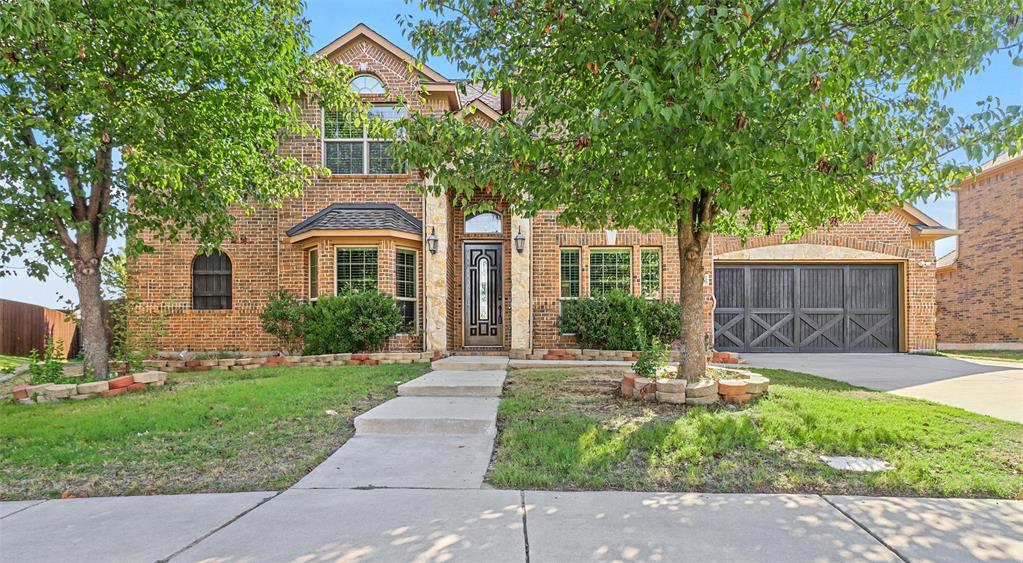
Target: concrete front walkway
[982,386]
[438,433]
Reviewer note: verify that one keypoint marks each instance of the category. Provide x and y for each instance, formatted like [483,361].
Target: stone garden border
[50,392]
[322,360]
[608,355]
[741,387]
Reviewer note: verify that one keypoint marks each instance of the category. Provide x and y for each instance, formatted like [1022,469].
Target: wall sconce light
[432,240]
[520,241]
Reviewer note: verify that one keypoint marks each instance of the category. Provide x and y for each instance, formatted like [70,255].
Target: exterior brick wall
[263,259]
[886,233]
[980,299]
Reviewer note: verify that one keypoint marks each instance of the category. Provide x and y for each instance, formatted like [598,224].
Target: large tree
[171,105]
[702,117]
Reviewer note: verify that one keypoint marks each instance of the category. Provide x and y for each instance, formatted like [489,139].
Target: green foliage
[359,321]
[695,118]
[47,366]
[651,358]
[283,317]
[121,117]
[610,322]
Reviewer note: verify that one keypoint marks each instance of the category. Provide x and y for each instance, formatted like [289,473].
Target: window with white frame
[366,84]
[356,269]
[570,277]
[406,283]
[314,274]
[483,222]
[350,147]
[610,270]
[650,272]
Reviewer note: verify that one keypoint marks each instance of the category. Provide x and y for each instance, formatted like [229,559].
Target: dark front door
[483,300]
[806,308]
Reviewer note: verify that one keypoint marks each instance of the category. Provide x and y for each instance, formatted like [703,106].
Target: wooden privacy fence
[24,327]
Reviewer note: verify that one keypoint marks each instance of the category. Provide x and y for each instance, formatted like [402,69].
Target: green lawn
[569,430]
[8,363]
[203,432]
[1002,355]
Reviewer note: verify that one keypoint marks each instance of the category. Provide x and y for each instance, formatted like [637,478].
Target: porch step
[452,383]
[430,415]
[472,363]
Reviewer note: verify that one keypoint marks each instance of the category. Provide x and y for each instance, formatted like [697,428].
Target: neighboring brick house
[980,283]
[497,281]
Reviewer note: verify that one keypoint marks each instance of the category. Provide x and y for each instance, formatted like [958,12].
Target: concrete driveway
[981,386]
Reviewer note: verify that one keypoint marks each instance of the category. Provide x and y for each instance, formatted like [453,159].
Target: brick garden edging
[608,355]
[236,364]
[738,389]
[49,392]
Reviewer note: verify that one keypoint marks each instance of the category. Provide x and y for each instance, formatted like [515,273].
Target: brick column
[435,292]
[521,274]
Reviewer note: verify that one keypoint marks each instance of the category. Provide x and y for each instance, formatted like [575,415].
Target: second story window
[353,148]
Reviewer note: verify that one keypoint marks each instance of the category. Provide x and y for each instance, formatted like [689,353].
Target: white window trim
[339,247]
[561,299]
[365,141]
[414,300]
[500,223]
[309,274]
[660,272]
[608,249]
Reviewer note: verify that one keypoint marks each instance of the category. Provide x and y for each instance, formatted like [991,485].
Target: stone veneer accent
[521,271]
[435,289]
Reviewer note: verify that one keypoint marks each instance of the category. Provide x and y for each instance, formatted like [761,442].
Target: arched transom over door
[483,299]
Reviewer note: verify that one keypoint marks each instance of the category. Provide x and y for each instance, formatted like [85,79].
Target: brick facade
[980,293]
[265,259]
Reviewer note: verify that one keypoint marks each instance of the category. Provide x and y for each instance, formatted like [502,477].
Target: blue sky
[332,18]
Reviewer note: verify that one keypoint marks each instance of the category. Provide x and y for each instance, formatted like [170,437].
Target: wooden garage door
[806,308]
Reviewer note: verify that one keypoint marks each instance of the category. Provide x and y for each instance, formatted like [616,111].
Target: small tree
[700,118]
[174,107]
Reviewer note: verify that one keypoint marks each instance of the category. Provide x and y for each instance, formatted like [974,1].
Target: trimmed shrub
[284,318]
[610,322]
[360,321]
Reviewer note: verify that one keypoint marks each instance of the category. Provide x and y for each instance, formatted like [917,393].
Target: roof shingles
[360,216]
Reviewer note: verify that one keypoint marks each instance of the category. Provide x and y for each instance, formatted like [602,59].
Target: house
[497,281]
[980,283]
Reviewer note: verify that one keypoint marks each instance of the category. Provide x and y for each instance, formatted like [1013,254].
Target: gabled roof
[996,164]
[924,226]
[360,217]
[362,30]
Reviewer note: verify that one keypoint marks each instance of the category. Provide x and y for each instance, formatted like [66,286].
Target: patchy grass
[203,432]
[999,355]
[8,363]
[569,430]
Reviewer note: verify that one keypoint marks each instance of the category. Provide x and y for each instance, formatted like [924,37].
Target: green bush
[651,358]
[47,366]
[610,322]
[284,319]
[360,321]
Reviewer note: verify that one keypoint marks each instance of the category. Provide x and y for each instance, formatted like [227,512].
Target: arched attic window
[366,84]
[211,281]
[483,222]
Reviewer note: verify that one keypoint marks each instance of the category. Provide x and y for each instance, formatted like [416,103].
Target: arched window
[484,222]
[211,281]
[366,84]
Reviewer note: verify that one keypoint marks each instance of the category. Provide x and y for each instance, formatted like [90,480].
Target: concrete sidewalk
[418,525]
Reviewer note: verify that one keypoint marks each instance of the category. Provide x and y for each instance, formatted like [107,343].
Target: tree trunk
[90,305]
[691,246]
